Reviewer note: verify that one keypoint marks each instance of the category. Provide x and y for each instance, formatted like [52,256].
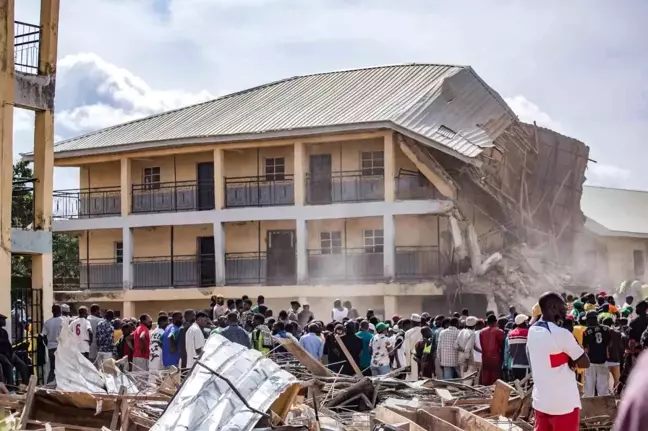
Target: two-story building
[317,187]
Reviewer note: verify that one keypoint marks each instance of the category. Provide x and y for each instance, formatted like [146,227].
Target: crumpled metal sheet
[206,402]
[75,373]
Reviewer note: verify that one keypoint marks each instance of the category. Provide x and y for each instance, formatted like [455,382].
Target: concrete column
[390,168]
[390,306]
[42,276]
[219,178]
[127,265]
[6,152]
[302,251]
[389,254]
[129,310]
[125,186]
[219,251]
[300,173]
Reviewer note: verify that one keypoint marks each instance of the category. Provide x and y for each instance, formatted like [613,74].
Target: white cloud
[529,112]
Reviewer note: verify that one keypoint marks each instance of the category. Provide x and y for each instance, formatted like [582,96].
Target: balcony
[172,197]
[245,268]
[346,186]
[259,191]
[26,47]
[93,274]
[413,185]
[87,203]
[418,263]
[173,271]
[345,264]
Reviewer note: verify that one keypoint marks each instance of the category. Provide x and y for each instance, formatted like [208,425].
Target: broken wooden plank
[115,416]
[29,403]
[431,422]
[444,394]
[65,426]
[364,386]
[501,395]
[389,416]
[348,356]
[311,364]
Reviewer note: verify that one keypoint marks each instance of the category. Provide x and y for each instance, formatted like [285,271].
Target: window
[639,263]
[331,242]
[373,163]
[119,252]
[275,168]
[151,178]
[374,240]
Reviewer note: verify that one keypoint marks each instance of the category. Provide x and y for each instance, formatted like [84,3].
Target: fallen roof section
[207,402]
[444,106]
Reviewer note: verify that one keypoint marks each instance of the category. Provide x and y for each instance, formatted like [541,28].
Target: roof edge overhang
[600,230]
[270,135]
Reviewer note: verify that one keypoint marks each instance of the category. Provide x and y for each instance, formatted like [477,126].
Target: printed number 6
[599,338]
[78,330]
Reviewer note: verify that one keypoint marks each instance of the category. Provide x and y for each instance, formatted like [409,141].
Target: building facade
[313,188]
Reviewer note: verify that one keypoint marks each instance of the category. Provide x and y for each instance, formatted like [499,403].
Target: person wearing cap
[516,355]
[381,349]
[464,345]
[412,336]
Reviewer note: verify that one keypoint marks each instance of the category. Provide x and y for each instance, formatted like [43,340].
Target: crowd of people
[598,340]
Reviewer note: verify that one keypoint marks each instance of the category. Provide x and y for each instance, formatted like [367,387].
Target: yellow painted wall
[102,243]
[244,236]
[416,230]
[354,230]
[250,162]
[345,156]
[403,162]
[620,257]
[100,175]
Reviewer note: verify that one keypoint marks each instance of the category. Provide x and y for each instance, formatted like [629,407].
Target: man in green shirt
[365,356]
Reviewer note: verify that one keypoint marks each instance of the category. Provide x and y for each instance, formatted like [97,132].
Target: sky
[575,66]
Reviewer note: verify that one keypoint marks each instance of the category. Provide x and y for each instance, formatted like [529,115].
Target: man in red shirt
[142,344]
[491,340]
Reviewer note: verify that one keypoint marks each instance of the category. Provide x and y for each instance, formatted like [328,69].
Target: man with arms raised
[552,352]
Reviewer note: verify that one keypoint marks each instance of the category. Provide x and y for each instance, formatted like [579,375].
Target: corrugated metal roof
[621,212]
[413,98]
[206,401]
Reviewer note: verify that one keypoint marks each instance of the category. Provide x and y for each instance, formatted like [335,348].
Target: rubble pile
[234,388]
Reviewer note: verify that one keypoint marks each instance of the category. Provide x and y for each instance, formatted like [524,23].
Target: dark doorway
[442,305]
[206,261]
[281,261]
[205,186]
[320,185]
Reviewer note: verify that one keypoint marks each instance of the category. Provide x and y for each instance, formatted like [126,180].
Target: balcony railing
[26,47]
[93,274]
[173,271]
[22,203]
[259,191]
[245,268]
[418,263]
[345,264]
[172,197]
[347,186]
[87,203]
[410,186]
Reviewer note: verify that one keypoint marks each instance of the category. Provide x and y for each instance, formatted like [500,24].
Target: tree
[65,248]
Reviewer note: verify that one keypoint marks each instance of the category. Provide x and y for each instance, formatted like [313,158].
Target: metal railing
[89,274]
[26,47]
[22,203]
[345,186]
[172,197]
[345,264]
[245,268]
[411,185]
[418,263]
[173,271]
[259,191]
[87,203]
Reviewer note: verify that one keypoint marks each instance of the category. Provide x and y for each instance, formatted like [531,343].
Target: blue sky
[577,66]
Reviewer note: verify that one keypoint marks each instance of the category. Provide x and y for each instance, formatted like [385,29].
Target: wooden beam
[311,364]
[29,403]
[348,356]
[500,402]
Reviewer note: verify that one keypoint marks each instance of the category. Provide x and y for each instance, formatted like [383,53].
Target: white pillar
[127,260]
[389,306]
[389,253]
[219,253]
[302,251]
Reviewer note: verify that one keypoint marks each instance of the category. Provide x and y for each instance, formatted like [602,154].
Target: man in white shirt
[552,352]
[82,331]
[195,339]
[412,336]
[94,318]
[339,312]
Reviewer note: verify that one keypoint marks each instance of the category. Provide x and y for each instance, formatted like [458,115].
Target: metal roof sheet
[414,98]
[621,212]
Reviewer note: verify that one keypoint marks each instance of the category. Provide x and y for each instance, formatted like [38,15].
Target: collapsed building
[403,188]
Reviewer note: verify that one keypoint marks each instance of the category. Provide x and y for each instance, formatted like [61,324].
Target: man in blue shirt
[170,340]
[312,342]
[365,356]
[235,333]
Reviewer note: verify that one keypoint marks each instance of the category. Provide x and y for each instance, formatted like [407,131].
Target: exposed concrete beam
[34,92]
[429,167]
